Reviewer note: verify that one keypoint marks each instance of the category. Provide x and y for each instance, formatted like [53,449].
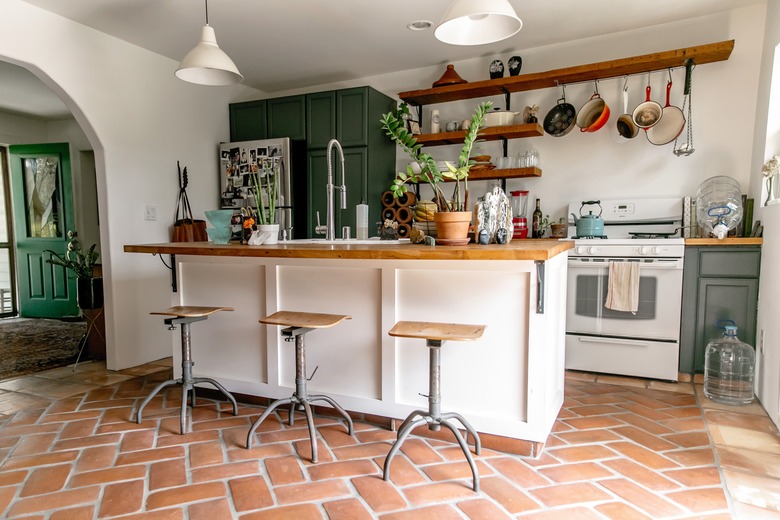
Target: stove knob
[644,250]
[580,250]
[593,250]
[656,250]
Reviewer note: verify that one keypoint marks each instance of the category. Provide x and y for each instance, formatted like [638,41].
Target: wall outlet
[150,213]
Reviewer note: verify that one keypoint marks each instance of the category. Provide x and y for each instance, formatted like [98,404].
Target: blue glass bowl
[219,218]
[219,235]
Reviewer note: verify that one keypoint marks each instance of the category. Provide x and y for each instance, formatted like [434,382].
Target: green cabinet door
[287,117]
[352,117]
[248,121]
[356,166]
[320,119]
[725,299]
[719,283]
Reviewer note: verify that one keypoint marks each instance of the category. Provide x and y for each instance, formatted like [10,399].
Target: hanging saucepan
[648,113]
[593,114]
[560,120]
[671,124]
[625,123]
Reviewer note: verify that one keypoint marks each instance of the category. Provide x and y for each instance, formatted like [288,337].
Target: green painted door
[42,196]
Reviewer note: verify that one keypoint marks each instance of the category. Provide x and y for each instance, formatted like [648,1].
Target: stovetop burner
[576,237]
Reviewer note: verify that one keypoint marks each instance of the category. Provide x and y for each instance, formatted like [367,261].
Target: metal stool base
[436,419]
[300,397]
[187,381]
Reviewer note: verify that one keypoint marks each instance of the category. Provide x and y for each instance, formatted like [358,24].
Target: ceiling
[297,43]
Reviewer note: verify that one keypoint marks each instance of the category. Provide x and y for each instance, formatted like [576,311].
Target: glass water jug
[729,367]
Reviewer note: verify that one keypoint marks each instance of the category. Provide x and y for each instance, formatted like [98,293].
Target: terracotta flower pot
[452,227]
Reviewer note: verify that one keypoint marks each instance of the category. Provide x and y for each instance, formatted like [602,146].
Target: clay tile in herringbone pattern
[616,452]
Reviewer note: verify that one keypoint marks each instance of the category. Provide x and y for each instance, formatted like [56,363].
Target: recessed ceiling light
[420,25]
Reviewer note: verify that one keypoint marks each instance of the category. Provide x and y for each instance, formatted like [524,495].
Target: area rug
[31,345]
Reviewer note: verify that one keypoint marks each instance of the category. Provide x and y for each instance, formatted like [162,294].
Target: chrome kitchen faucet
[330,226]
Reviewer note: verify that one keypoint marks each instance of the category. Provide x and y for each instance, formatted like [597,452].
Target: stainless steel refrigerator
[282,157]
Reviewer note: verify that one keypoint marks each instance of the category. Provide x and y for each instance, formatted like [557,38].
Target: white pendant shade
[476,22]
[207,64]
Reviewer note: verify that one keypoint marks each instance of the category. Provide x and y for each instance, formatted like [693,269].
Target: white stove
[644,343]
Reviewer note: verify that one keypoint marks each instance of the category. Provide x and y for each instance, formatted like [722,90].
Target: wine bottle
[536,221]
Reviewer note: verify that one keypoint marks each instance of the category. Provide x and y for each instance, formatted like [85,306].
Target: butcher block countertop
[539,249]
[746,241]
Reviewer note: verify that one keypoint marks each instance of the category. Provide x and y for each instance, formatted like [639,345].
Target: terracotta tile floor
[621,449]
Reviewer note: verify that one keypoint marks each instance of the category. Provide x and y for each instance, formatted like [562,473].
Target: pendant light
[476,22]
[207,64]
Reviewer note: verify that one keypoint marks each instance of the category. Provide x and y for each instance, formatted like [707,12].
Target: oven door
[660,293]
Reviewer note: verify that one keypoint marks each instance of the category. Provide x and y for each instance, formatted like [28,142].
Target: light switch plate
[150,213]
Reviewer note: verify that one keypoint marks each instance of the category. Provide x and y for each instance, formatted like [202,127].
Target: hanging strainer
[687,148]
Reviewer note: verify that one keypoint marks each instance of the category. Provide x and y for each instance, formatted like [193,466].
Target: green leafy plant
[430,173]
[76,259]
[270,189]
[546,223]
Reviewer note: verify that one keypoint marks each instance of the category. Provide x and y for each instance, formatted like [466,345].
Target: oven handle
[614,341]
[653,264]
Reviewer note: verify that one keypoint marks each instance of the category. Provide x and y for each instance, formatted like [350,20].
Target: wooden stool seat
[190,311]
[309,320]
[185,316]
[437,331]
[435,334]
[297,324]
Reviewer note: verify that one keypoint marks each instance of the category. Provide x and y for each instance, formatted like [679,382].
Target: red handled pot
[647,114]
[671,124]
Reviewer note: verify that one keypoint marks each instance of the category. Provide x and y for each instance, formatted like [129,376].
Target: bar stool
[298,324]
[184,316]
[435,334]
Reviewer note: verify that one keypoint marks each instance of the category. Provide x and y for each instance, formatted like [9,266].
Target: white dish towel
[623,287]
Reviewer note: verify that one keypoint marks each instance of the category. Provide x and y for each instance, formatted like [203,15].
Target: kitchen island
[508,384]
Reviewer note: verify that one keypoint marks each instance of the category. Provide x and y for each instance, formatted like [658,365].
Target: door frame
[5,170]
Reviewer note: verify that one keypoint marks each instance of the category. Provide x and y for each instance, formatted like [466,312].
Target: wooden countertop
[539,249]
[745,241]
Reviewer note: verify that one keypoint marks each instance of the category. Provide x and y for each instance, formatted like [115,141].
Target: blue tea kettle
[589,225]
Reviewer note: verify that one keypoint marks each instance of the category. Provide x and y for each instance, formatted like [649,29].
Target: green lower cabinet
[719,283]
[356,180]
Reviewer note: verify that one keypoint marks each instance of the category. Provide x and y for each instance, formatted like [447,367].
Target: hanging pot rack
[619,68]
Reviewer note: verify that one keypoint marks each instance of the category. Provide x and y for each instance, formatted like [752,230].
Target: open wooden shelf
[509,173]
[491,133]
[700,54]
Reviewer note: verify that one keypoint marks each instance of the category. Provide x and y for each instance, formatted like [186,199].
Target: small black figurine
[496,69]
[515,64]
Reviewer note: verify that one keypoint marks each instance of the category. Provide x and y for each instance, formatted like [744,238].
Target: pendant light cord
[207,12]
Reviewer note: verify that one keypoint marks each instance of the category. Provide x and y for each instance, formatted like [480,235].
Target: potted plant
[265,194]
[454,209]
[557,228]
[89,288]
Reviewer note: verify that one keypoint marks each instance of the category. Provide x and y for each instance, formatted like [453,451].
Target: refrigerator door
[240,161]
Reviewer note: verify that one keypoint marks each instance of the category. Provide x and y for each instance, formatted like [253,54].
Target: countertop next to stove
[746,241]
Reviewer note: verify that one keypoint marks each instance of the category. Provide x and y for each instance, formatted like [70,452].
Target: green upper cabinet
[320,119]
[248,121]
[287,117]
[352,116]
[347,115]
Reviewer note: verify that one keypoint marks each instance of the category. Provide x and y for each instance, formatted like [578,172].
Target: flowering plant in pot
[429,171]
[89,287]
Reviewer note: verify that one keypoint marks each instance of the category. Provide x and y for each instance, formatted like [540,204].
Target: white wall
[766,144]
[140,120]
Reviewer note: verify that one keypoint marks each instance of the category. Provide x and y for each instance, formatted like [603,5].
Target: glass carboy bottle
[729,367]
